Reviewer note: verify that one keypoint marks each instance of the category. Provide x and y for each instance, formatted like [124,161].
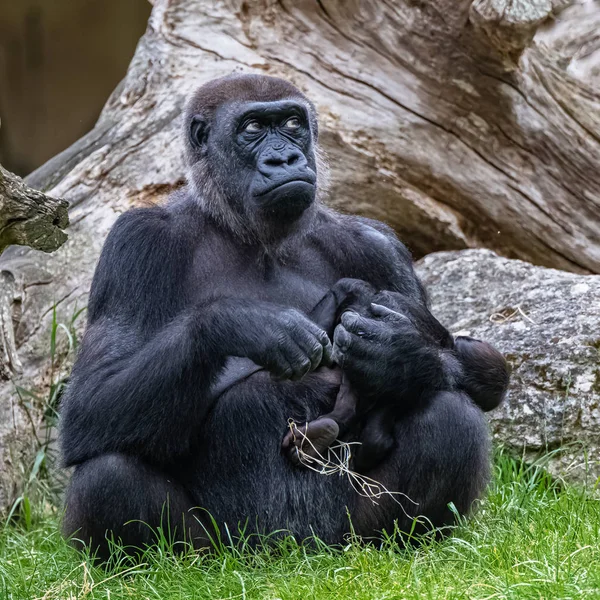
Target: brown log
[444,118]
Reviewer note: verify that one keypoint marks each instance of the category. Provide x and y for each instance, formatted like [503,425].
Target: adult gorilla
[159,416]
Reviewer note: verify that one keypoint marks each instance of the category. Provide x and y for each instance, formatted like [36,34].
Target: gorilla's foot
[310,441]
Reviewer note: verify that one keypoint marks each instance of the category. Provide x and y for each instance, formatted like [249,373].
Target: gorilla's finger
[327,348]
[337,357]
[299,359]
[312,341]
[362,348]
[341,343]
[327,358]
[349,347]
[321,354]
[291,360]
[315,356]
[341,338]
[357,324]
[378,310]
[300,367]
[323,339]
[305,366]
[279,373]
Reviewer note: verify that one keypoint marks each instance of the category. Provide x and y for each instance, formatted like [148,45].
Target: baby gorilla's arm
[314,438]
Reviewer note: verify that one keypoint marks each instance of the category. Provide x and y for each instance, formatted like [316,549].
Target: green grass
[531,538]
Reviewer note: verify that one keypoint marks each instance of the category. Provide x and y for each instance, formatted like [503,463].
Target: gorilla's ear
[198,131]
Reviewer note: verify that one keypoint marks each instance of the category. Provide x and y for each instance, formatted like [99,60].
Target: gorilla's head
[252,154]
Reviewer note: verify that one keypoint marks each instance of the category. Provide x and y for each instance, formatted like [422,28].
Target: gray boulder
[547,324]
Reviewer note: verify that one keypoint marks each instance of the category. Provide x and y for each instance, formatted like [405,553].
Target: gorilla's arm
[434,361]
[483,374]
[143,355]
[140,383]
[418,354]
[134,396]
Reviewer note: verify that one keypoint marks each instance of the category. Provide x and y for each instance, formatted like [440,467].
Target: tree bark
[28,218]
[444,118]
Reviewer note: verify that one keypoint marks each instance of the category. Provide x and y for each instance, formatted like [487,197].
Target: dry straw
[337,462]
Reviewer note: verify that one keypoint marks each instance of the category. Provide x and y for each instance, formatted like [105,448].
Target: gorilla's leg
[441,456]
[121,497]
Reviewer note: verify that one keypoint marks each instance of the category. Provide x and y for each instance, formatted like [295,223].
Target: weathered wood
[28,217]
[456,129]
[9,294]
[508,27]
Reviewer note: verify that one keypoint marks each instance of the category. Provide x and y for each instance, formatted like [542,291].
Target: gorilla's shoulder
[139,219]
[150,239]
[145,257]
[377,235]
[171,219]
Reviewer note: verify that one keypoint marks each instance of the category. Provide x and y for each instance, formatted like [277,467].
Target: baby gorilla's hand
[346,293]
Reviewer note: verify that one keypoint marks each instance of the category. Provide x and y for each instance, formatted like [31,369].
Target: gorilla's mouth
[288,199]
[288,185]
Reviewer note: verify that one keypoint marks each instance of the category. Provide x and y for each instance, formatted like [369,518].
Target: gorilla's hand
[386,357]
[283,340]
[346,293]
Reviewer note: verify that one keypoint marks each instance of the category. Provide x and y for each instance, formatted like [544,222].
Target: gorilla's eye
[253,127]
[293,123]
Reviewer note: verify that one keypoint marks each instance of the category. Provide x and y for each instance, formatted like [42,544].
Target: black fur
[396,357]
[158,411]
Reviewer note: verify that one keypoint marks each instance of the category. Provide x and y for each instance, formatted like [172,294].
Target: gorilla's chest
[298,282]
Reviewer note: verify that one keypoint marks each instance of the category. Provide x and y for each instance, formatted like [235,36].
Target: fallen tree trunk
[442,118]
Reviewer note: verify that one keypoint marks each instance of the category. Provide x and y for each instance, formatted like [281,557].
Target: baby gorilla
[353,311]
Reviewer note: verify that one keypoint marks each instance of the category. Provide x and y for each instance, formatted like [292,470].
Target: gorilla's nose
[282,163]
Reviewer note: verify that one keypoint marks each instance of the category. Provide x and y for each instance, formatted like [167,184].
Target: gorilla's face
[262,156]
